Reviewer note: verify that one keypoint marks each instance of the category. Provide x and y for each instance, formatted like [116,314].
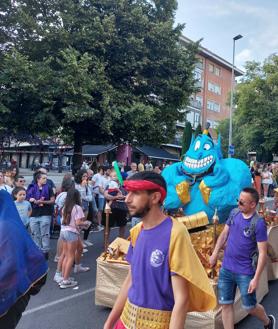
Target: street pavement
[74,308]
[71,308]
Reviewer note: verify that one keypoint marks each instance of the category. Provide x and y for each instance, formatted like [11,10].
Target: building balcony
[176,141]
[196,104]
[199,83]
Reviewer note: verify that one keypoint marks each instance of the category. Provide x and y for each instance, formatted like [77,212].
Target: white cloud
[243,56]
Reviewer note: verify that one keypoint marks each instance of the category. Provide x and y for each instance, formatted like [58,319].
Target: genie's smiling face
[201,156]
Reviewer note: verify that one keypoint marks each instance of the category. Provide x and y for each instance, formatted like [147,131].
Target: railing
[176,141]
[195,103]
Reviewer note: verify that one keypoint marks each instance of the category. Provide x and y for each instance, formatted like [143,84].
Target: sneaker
[58,277]
[67,284]
[100,228]
[272,322]
[56,259]
[89,244]
[85,250]
[69,279]
[94,228]
[81,269]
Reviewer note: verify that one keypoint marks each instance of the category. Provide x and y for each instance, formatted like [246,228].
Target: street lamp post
[237,37]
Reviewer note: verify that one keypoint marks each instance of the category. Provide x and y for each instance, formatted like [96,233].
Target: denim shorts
[101,204]
[85,205]
[227,284]
[69,236]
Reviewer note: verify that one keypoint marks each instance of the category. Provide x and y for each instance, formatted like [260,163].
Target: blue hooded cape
[22,264]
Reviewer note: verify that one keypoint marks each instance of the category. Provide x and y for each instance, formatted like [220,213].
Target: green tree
[255,120]
[198,130]
[223,130]
[186,137]
[94,71]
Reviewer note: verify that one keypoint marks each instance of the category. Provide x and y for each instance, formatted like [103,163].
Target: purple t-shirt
[151,278]
[240,245]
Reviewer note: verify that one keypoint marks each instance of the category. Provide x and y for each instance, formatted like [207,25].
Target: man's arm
[219,245]
[119,304]
[50,201]
[109,197]
[262,247]
[113,198]
[180,290]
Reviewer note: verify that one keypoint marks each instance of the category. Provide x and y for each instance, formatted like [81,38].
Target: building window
[178,138]
[200,63]
[213,124]
[217,71]
[196,120]
[213,87]
[211,68]
[199,101]
[214,69]
[190,117]
[198,74]
[198,77]
[213,106]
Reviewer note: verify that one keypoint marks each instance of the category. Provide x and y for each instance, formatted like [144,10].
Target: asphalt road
[71,308]
[54,308]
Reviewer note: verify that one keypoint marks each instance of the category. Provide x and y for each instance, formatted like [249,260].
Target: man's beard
[142,212]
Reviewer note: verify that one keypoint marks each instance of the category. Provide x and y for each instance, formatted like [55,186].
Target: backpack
[252,229]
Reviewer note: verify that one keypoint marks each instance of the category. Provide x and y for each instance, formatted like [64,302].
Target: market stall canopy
[156,153]
[94,150]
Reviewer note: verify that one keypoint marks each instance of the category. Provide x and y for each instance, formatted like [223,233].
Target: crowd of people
[168,289]
[264,178]
[76,209]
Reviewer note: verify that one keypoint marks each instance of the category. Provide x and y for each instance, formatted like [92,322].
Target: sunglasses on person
[21,180]
[242,203]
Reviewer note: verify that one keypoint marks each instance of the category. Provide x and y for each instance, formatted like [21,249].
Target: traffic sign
[231,150]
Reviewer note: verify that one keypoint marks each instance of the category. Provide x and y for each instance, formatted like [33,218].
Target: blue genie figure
[204,181]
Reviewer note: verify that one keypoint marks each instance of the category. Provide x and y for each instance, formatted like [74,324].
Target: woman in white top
[266,180]
[81,184]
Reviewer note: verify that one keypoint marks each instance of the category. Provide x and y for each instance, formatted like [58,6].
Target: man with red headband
[166,279]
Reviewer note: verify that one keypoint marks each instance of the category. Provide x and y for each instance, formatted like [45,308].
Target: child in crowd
[113,186]
[67,184]
[10,175]
[23,206]
[73,220]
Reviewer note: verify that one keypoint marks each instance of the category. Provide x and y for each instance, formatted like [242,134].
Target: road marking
[39,308]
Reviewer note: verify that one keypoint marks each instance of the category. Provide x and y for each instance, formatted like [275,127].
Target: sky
[218,21]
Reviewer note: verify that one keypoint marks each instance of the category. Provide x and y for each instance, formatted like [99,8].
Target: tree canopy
[94,70]
[255,120]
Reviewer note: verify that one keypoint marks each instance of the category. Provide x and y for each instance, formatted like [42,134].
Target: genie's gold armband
[205,191]
[182,190]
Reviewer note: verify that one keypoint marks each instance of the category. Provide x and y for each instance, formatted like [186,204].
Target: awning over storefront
[156,153]
[95,150]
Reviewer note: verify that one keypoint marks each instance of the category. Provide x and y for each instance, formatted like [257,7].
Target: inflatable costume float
[204,181]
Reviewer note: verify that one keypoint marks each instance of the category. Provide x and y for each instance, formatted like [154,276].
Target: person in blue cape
[23,267]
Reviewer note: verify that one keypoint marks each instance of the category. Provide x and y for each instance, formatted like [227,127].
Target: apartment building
[211,103]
